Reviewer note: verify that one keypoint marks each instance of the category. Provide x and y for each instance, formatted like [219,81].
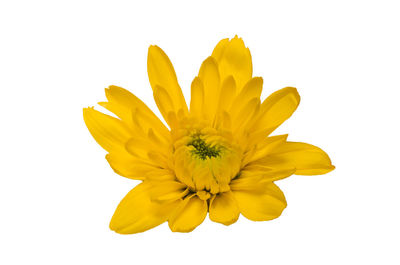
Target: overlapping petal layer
[137,212]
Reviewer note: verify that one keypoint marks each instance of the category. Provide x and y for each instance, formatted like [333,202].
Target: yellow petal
[226,97]
[306,158]
[164,103]
[219,49]
[263,205]
[145,123]
[109,132]
[255,179]
[224,209]
[277,108]
[160,174]
[197,98]
[167,190]
[125,105]
[156,140]
[172,119]
[209,76]
[228,92]
[126,100]
[245,115]
[161,160]
[252,89]
[162,73]
[138,147]
[137,212]
[226,122]
[264,147]
[131,167]
[123,113]
[234,59]
[190,213]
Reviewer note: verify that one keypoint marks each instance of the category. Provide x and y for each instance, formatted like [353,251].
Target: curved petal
[167,190]
[137,212]
[140,147]
[197,98]
[252,89]
[162,73]
[190,213]
[234,59]
[227,95]
[133,112]
[219,49]
[109,132]
[134,168]
[275,109]
[306,158]
[164,103]
[209,75]
[245,115]
[123,113]
[262,205]
[257,178]
[224,209]
[263,148]
[226,98]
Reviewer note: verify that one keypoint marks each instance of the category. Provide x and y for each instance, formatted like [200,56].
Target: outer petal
[197,98]
[227,95]
[140,147]
[164,103]
[137,213]
[209,75]
[167,190]
[245,115]
[134,168]
[133,112]
[277,108]
[262,205]
[263,148]
[162,73]
[256,179]
[251,90]
[191,212]
[226,98]
[224,209]
[306,158]
[220,48]
[109,132]
[234,59]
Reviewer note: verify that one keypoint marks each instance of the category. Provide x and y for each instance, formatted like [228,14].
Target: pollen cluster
[203,150]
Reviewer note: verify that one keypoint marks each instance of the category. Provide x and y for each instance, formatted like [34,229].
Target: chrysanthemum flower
[216,157]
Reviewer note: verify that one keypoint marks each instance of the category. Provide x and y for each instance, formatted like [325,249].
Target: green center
[203,150]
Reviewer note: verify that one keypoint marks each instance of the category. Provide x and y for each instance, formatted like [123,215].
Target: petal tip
[211,60]
[155,49]
[331,168]
[87,110]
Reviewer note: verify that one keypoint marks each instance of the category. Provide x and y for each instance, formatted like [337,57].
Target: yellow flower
[217,157]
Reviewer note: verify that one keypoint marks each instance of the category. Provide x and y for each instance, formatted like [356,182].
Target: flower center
[206,159]
[203,150]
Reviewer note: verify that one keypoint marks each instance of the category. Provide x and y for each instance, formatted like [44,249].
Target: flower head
[216,157]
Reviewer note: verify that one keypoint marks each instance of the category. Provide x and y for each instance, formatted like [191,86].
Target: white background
[57,192]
